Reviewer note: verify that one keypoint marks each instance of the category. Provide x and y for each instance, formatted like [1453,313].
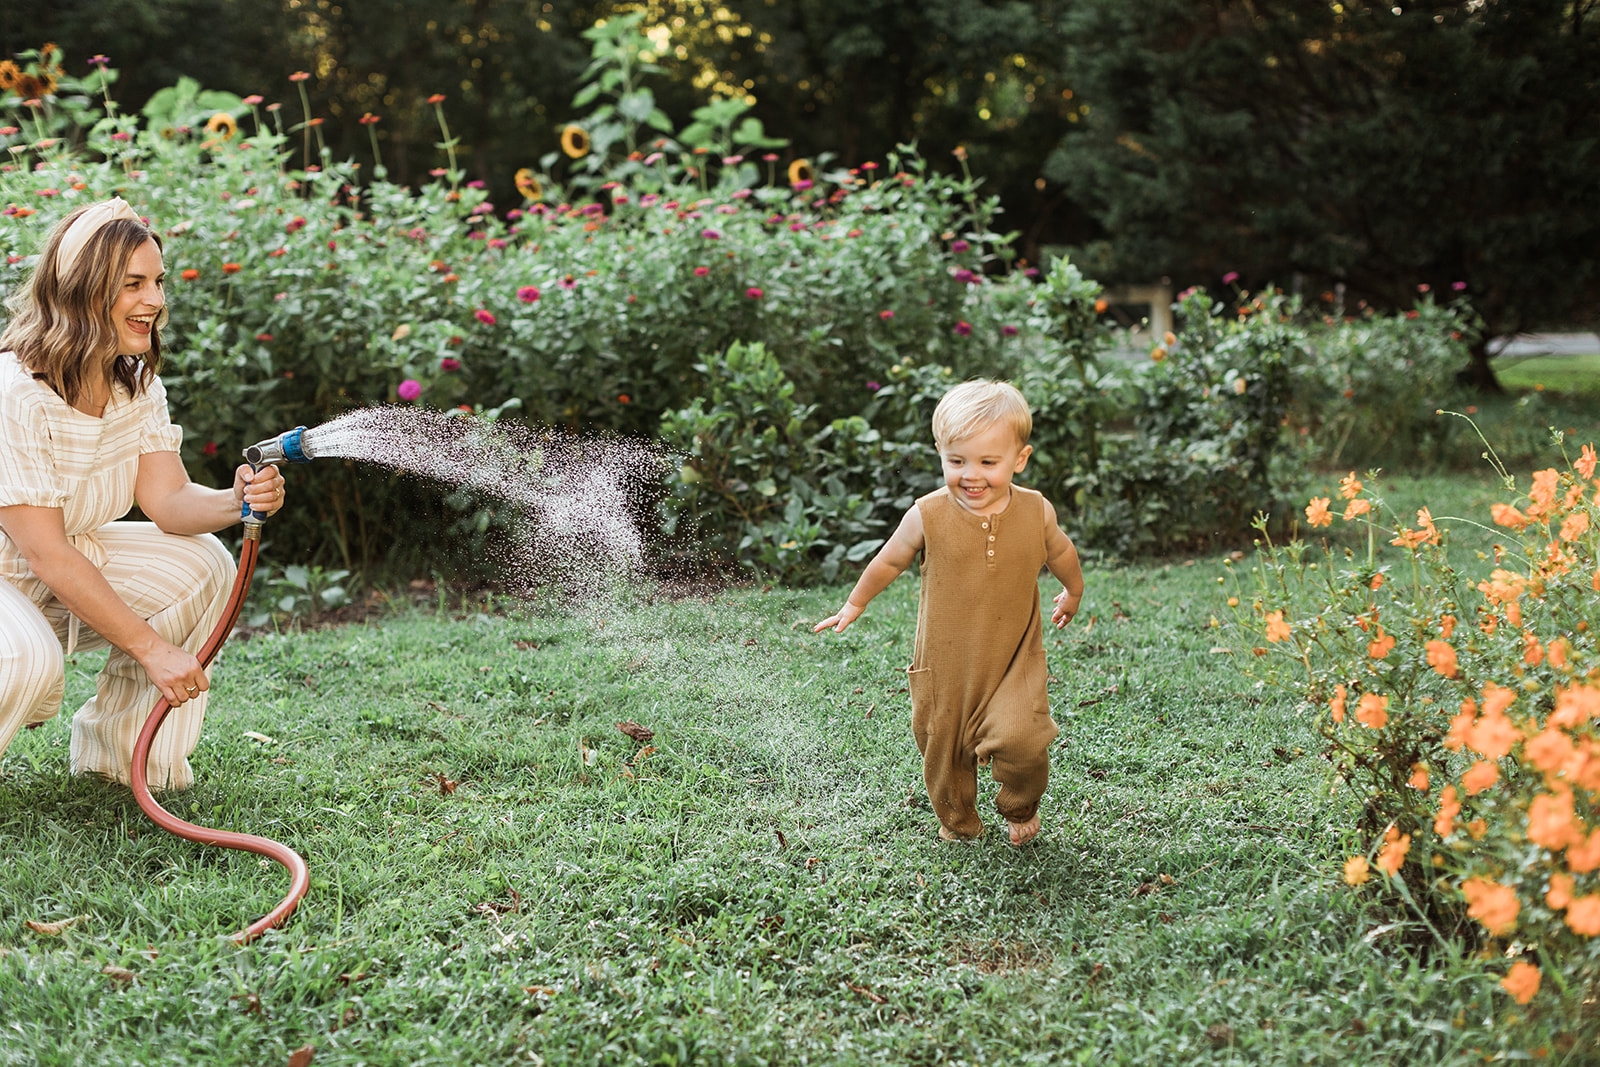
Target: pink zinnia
[1230,277]
[295,224]
[959,246]
[409,389]
[484,317]
[1009,331]
[701,272]
[963,328]
[528,294]
[885,315]
[449,364]
[711,235]
[753,293]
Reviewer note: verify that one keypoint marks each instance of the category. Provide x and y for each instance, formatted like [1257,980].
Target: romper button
[985,526]
[991,552]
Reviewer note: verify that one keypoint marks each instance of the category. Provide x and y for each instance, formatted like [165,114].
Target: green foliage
[760,487]
[287,596]
[1458,703]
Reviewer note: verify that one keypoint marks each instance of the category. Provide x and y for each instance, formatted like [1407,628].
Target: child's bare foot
[1023,832]
[946,835]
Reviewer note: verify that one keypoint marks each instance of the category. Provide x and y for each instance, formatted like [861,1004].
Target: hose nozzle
[287,447]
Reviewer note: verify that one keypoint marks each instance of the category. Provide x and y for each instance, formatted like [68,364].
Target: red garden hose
[300,878]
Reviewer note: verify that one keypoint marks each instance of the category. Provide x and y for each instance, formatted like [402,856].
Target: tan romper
[978,671]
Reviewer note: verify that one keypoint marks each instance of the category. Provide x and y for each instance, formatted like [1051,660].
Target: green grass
[766,886]
[1576,376]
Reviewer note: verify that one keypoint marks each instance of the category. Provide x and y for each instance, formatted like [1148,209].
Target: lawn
[500,875]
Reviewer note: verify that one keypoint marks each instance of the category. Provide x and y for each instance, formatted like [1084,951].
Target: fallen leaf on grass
[525,646]
[641,734]
[119,975]
[53,929]
[542,991]
[1096,972]
[783,842]
[1220,1035]
[876,998]
[301,1057]
[263,738]
[446,785]
[252,1004]
[351,979]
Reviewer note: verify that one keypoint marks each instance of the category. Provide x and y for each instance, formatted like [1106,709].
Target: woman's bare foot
[1023,832]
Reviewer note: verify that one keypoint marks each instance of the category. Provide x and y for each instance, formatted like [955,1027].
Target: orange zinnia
[1492,904]
[1522,981]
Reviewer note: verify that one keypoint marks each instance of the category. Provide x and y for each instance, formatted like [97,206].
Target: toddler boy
[978,673]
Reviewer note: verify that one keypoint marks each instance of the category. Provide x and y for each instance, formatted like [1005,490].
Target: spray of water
[574,499]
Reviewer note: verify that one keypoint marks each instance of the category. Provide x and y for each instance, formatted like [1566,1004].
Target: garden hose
[299,876]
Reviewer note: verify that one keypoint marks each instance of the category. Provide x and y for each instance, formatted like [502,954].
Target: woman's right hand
[176,673]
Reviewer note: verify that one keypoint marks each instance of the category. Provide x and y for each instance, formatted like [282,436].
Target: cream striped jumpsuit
[55,456]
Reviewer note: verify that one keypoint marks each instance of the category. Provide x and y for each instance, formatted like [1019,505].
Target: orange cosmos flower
[1447,626]
[1350,486]
[1575,705]
[1444,823]
[1494,734]
[1575,526]
[1559,895]
[1492,904]
[1277,629]
[1419,777]
[1532,650]
[1549,751]
[1477,828]
[1583,915]
[1558,650]
[1480,776]
[1461,726]
[1380,646]
[1393,853]
[1356,870]
[1336,705]
[1543,493]
[1373,711]
[1442,658]
[1586,461]
[1376,583]
[1506,515]
[1551,823]
[1317,512]
[1356,507]
[1585,856]
[1522,981]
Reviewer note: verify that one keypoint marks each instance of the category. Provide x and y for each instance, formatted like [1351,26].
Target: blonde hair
[61,324]
[973,407]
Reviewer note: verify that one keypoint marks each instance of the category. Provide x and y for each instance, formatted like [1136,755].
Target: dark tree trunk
[1479,374]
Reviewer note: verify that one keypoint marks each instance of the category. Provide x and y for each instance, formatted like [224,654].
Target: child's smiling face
[979,469]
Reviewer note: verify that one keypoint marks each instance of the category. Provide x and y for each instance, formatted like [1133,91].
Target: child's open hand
[1066,608]
[839,620]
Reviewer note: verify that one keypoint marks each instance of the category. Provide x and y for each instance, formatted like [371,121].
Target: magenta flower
[98,61]
[701,272]
[711,235]
[449,364]
[528,294]
[963,328]
[959,246]
[417,233]
[1423,288]
[484,317]
[497,242]
[476,183]
[753,293]
[874,386]
[1009,331]
[409,389]
[1459,287]
[295,224]
[803,184]
[568,282]
[885,315]
[966,276]
[1230,277]
[252,100]
[119,136]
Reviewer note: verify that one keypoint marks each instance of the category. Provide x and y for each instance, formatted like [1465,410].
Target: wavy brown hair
[62,328]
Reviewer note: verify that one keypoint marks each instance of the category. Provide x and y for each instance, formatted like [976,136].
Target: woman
[84,435]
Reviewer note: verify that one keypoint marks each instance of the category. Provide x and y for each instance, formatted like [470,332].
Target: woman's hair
[62,327]
[973,407]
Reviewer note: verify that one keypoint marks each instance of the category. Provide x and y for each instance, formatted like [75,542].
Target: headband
[86,226]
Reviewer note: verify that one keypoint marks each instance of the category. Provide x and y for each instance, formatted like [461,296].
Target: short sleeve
[28,474]
[157,432]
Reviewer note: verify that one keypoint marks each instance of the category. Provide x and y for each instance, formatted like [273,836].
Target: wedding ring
[192,688]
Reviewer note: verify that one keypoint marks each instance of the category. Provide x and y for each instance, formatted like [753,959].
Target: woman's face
[140,301]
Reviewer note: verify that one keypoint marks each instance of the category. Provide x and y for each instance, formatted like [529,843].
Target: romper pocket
[923,697]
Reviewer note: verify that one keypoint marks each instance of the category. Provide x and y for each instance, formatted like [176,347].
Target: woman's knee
[32,669]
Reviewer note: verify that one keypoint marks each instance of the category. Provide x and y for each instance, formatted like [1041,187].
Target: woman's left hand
[261,489]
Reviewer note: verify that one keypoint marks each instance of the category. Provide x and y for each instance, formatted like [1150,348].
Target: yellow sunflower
[223,124]
[574,141]
[529,186]
[800,171]
[9,73]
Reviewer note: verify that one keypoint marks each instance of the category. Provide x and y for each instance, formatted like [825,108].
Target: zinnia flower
[528,294]
[409,389]
[753,293]
[189,275]
[449,364]
[231,268]
[959,246]
[1230,277]
[483,316]
[963,328]
[1008,331]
